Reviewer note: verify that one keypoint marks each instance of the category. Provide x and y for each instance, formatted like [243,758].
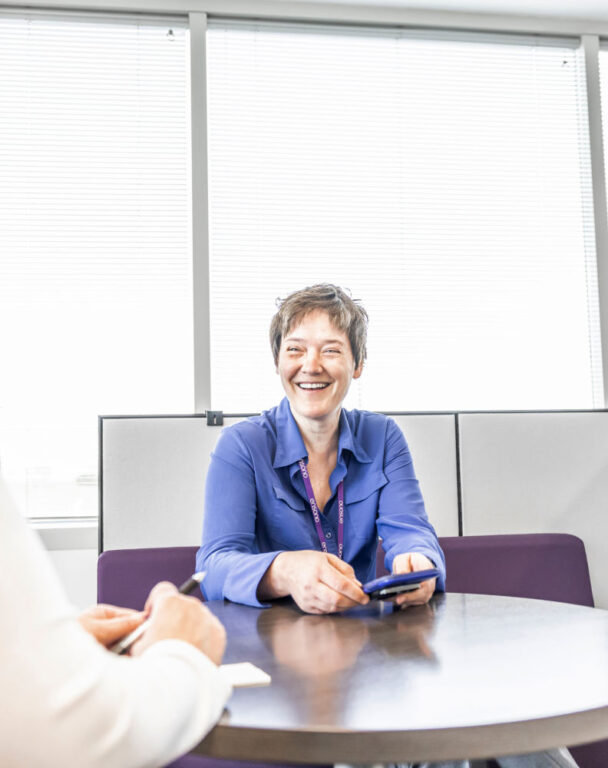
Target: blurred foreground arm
[108,623]
[65,700]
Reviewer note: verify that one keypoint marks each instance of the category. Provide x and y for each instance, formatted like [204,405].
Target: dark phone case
[390,585]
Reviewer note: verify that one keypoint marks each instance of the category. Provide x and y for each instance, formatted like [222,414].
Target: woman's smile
[311,385]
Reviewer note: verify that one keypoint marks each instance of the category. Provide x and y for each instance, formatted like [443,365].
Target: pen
[127,641]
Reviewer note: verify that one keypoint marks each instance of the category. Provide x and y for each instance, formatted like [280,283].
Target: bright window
[603,60]
[95,253]
[444,179]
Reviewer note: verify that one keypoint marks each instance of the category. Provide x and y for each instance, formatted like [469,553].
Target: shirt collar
[291,448]
[348,440]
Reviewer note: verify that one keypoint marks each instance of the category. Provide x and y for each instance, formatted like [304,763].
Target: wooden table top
[466,676]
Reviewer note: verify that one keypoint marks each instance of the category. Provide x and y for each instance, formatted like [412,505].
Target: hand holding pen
[123,645]
[172,615]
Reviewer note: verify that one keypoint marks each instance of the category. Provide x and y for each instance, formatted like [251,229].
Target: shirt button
[328,535]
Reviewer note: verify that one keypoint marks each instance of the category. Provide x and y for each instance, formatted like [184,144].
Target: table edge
[357,747]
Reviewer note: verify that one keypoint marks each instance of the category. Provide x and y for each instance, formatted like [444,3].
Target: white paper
[244,674]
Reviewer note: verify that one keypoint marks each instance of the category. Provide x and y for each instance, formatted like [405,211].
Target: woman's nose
[312,362]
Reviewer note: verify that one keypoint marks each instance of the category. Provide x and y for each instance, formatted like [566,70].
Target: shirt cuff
[242,584]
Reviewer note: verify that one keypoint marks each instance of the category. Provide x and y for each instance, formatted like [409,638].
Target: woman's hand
[318,582]
[107,623]
[406,563]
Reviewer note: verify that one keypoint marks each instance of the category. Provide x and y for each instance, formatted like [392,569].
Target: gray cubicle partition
[539,473]
[432,442]
[152,476]
[152,479]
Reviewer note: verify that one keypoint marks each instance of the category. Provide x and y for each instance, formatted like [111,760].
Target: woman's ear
[358,371]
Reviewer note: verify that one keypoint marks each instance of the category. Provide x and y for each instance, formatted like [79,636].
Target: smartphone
[395,583]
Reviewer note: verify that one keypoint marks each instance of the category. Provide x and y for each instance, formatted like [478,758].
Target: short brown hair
[345,313]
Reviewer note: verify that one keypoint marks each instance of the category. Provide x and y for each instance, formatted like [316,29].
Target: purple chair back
[197,761]
[546,566]
[126,576]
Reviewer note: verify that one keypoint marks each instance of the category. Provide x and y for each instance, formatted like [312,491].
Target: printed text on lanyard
[315,510]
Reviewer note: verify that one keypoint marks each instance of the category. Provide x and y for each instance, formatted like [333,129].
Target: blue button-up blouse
[256,504]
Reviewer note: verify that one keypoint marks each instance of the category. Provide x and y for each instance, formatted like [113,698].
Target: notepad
[244,675]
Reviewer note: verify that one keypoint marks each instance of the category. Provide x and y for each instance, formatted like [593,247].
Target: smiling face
[316,367]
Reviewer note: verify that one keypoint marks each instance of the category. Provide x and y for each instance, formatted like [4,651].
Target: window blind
[603,64]
[95,254]
[443,178]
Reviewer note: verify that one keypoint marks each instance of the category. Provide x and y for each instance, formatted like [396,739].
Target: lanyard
[315,510]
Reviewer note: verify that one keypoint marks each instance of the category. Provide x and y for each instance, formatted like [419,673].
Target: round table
[465,676]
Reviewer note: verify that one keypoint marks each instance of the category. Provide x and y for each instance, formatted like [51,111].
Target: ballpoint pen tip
[199,576]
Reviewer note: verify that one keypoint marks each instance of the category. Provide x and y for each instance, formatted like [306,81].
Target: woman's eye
[332,351]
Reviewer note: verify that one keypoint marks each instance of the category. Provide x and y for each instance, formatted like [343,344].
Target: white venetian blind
[443,178]
[95,254]
[603,61]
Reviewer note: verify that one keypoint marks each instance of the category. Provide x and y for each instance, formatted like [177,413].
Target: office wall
[72,547]
[537,473]
[77,569]
[153,480]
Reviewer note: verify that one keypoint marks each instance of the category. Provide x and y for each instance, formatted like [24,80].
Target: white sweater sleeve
[64,700]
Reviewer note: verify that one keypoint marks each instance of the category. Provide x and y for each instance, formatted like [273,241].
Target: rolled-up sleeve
[402,521]
[229,552]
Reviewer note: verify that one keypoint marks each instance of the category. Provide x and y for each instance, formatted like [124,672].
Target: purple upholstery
[547,566]
[126,576]
[196,761]
[537,565]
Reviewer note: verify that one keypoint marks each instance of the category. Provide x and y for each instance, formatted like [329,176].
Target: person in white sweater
[67,701]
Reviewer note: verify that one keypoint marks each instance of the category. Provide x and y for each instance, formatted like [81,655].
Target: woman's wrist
[275,582]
